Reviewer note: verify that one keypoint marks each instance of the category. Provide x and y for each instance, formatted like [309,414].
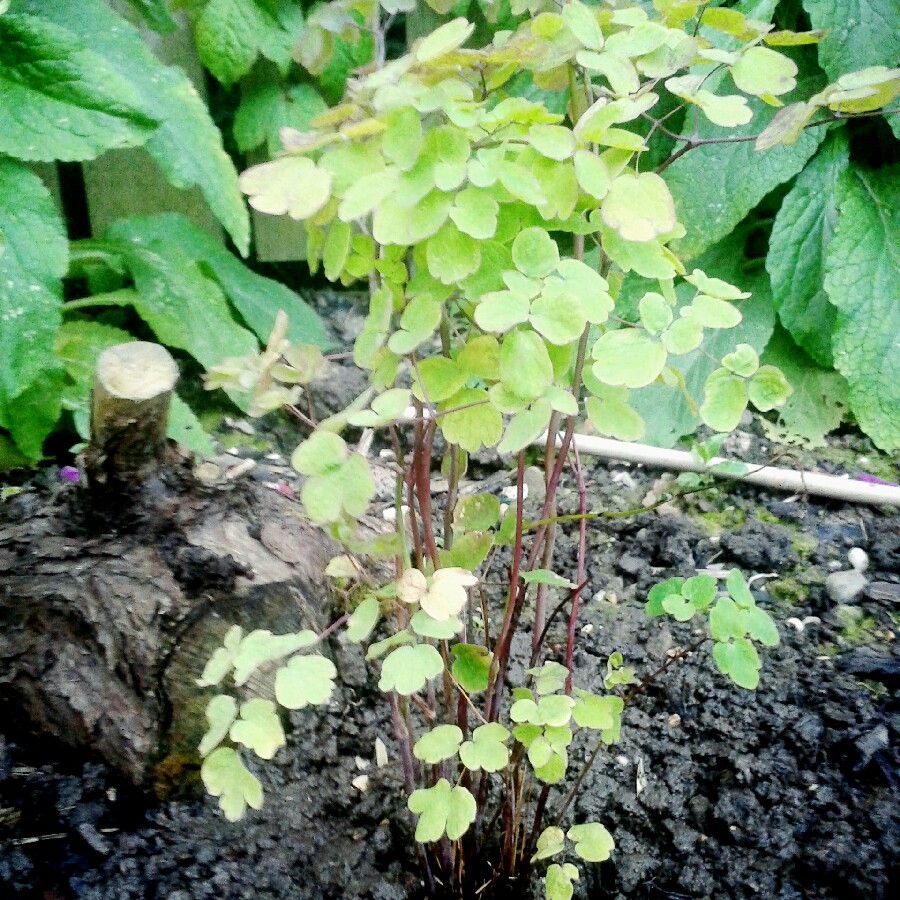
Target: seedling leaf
[225,776]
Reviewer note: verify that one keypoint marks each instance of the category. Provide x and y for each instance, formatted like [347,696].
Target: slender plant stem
[452,494]
[409,782]
[582,542]
[122,297]
[497,672]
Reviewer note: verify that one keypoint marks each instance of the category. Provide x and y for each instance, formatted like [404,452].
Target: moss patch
[716,521]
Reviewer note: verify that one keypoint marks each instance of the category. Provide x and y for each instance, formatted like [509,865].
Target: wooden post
[133,384]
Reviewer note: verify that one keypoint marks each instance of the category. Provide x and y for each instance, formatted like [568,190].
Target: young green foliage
[466,202]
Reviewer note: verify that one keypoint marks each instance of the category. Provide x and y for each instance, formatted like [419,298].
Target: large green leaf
[156,14]
[797,247]
[860,33]
[230,34]
[716,185]
[862,279]
[819,401]
[184,308]
[256,298]
[186,144]
[60,99]
[266,108]
[33,258]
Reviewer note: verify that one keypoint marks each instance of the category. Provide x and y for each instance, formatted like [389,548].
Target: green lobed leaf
[226,777]
[525,427]
[407,669]
[378,649]
[186,144]
[321,452]
[321,496]
[477,512]
[613,416]
[559,317]
[593,843]
[305,681]
[550,842]
[487,750]
[471,666]
[479,424]
[525,367]
[261,646]
[743,361]
[768,388]
[291,185]
[727,620]
[545,576]
[549,677]
[724,401]
[258,728]
[535,253]
[452,254]
[659,592]
[440,629]
[363,620]
[501,310]
[761,70]
[554,770]
[800,237]
[862,279]
[739,661]
[440,743]
[639,207]
[627,356]
[221,711]
[762,627]
[470,549]
[442,809]
[222,660]
[558,881]
[591,711]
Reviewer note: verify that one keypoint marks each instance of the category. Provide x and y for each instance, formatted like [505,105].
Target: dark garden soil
[714,792]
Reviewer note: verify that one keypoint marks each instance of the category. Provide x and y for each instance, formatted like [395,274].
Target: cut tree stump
[115,592]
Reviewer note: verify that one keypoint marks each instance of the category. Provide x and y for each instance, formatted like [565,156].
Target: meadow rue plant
[495,198]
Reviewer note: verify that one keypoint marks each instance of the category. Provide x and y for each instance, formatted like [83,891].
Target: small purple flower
[874,479]
[68,473]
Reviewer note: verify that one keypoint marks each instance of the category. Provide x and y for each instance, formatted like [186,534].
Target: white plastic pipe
[794,480]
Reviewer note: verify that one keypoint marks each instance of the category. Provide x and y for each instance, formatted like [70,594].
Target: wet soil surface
[787,792]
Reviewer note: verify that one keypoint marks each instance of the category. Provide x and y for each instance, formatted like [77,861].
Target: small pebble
[361,783]
[842,587]
[510,493]
[587,629]
[858,558]
[674,720]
